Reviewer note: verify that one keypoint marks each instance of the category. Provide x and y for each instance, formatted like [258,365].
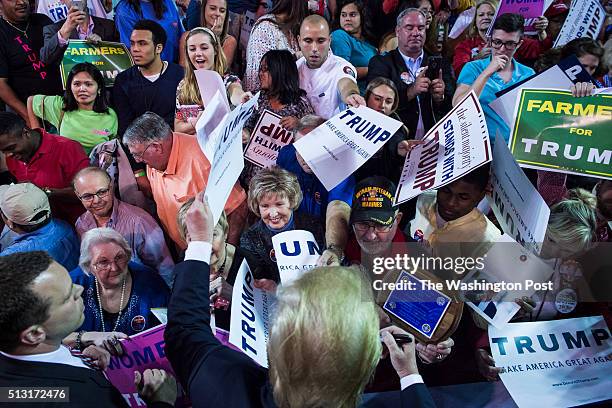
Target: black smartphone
[434,65]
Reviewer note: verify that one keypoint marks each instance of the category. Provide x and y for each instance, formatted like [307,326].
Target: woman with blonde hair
[324,340]
[274,196]
[203,51]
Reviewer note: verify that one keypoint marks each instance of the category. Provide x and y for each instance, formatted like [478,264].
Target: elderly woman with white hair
[118,294]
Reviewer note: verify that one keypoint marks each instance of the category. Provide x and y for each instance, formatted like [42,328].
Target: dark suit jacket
[88,388]
[215,375]
[52,52]
[391,66]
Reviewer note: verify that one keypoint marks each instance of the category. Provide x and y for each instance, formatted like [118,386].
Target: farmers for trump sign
[109,57]
[559,363]
[555,131]
[456,145]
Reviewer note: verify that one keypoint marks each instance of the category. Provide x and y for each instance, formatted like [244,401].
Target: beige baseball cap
[22,204]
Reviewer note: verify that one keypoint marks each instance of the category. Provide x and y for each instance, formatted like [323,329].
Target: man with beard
[150,85]
[22,73]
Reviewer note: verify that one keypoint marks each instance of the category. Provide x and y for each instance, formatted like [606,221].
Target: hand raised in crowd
[420,85]
[156,385]
[355,100]
[403,357]
[289,122]
[582,89]
[437,88]
[75,17]
[405,146]
[97,356]
[486,365]
[199,220]
[431,353]
[541,24]
[484,53]
[107,340]
[497,64]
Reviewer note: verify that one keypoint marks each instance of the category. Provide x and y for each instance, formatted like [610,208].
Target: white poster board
[585,19]
[267,138]
[521,211]
[558,363]
[227,162]
[345,142]
[251,309]
[296,253]
[456,145]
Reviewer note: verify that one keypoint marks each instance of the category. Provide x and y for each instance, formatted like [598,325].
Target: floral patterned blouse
[266,36]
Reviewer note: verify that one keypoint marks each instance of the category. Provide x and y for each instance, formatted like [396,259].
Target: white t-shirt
[321,84]
[56,10]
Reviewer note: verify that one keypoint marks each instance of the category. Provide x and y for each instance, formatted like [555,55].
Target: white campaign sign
[456,145]
[227,162]
[207,123]
[267,139]
[585,19]
[296,252]
[251,310]
[517,205]
[344,143]
[209,82]
[559,363]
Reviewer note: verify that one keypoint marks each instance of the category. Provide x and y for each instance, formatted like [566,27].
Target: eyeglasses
[510,45]
[103,192]
[120,261]
[141,154]
[365,227]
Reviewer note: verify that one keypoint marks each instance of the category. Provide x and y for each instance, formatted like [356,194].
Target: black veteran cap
[373,201]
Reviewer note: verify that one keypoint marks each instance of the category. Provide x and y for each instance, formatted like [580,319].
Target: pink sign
[530,9]
[142,351]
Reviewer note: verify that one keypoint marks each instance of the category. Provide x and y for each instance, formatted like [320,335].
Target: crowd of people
[104,220]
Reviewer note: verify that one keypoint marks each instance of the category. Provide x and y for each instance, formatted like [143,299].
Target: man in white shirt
[330,82]
[39,308]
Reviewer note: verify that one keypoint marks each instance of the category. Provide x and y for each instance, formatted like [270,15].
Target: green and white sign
[109,57]
[556,132]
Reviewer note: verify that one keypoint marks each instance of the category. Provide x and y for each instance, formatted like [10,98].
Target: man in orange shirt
[177,170]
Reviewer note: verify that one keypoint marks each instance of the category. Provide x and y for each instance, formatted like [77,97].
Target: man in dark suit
[423,101]
[78,26]
[316,359]
[39,307]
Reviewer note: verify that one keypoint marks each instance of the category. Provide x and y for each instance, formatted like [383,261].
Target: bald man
[330,82]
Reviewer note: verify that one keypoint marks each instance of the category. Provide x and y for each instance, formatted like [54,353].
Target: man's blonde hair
[324,344]
[274,180]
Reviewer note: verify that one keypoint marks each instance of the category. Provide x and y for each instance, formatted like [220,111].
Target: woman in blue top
[164,12]
[351,40]
[117,294]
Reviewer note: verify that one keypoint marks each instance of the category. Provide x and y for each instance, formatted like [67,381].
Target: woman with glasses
[118,295]
[497,72]
[476,46]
